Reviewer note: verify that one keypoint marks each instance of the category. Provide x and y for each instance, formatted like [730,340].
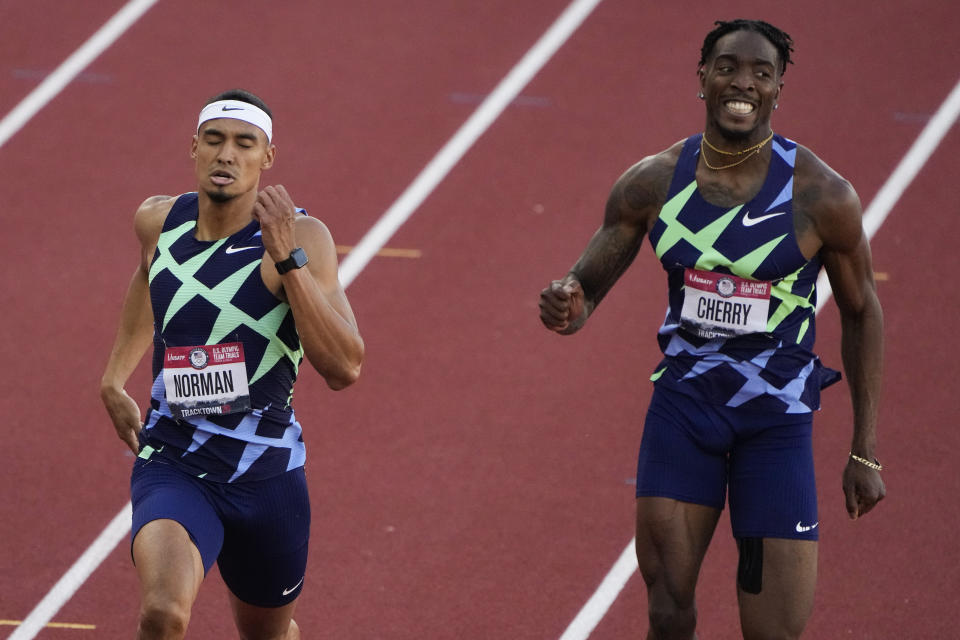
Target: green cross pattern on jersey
[745,266]
[220,296]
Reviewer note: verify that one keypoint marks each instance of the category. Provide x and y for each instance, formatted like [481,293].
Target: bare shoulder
[312,232]
[149,218]
[641,190]
[148,223]
[156,206]
[826,203]
[317,241]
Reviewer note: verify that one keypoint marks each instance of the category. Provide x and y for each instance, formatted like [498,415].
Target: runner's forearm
[331,342]
[862,352]
[607,256]
[134,335]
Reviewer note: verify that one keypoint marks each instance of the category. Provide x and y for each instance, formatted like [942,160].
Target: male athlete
[742,220]
[235,285]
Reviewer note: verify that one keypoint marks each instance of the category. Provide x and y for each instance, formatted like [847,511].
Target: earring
[700,95]
[776,106]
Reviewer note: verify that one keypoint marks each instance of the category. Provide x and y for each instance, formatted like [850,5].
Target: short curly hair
[779,39]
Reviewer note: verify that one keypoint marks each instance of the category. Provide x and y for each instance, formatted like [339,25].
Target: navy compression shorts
[694,452]
[257,532]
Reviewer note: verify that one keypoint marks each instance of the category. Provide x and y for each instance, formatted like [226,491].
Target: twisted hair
[779,39]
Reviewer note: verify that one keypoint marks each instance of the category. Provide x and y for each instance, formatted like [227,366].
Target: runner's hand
[275,211]
[125,415]
[862,487]
[562,306]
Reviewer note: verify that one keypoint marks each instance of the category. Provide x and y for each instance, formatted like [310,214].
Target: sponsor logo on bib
[206,380]
[717,305]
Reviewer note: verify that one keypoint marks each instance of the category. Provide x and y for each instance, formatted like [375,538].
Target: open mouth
[739,107]
[221,178]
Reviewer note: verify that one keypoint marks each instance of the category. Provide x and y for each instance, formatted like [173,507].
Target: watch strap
[295,260]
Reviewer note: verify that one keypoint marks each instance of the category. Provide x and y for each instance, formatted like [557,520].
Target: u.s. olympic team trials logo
[198,358]
[726,287]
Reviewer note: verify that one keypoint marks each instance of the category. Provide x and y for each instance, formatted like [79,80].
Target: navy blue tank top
[740,324]
[226,355]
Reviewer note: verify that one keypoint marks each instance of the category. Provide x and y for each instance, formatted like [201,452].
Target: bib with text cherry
[717,305]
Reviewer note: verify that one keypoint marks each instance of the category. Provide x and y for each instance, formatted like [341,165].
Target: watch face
[298,258]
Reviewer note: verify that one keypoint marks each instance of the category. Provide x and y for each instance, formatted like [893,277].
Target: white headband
[238,110]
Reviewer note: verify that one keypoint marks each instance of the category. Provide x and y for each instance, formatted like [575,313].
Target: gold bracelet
[874,464]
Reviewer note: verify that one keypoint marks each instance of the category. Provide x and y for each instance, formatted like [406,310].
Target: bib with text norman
[718,305]
[206,380]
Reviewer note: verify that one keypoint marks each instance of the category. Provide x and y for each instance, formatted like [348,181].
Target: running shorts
[693,451]
[257,532]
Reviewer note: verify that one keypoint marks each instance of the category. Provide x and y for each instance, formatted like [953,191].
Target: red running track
[476,482]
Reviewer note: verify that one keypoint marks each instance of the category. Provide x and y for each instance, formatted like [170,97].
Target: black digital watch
[297,259]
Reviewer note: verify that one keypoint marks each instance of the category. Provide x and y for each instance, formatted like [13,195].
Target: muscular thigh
[267,529]
[784,601]
[175,534]
[773,514]
[681,490]
[672,539]
[168,564]
[160,491]
[772,486]
[683,452]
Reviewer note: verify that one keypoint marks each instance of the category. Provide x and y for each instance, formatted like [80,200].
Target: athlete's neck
[732,143]
[221,219]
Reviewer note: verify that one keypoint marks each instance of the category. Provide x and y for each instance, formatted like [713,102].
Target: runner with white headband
[238,110]
[238,291]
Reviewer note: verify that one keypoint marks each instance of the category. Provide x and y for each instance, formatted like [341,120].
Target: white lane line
[74,577]
[353,264]
[488,111]
[71,67]
[902,176]
[600,602]
[36,100]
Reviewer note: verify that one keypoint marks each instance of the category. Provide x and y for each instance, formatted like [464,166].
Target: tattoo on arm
[638,195]
[803,202]
[604,261]
[633,204]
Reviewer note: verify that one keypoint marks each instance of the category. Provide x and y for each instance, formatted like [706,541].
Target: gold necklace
[752,151]
[742,151]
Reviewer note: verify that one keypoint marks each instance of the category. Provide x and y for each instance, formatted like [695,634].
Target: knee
[163,619]
[667,620]
[774,635]
[773,632]
[292,632]
[672,612]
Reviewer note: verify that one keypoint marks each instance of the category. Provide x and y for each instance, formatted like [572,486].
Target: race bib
[206,380]
[717,305]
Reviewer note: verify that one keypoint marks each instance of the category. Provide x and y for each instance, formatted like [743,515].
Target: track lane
[447,34]
[399,458]
[35,37]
